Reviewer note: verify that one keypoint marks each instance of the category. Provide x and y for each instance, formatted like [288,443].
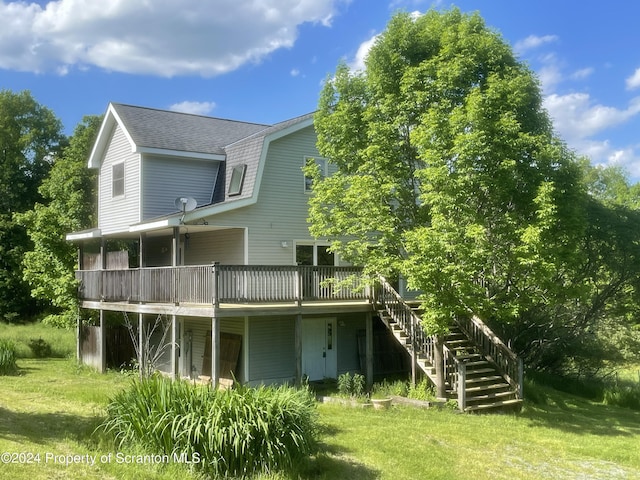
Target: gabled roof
[165,132]
[181,131]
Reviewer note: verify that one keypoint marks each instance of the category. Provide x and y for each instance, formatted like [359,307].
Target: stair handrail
[494,349]
[406,318]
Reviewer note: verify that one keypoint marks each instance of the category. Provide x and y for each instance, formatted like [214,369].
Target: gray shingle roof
[168,130]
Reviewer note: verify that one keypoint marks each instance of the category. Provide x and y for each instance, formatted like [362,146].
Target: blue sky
[265,60]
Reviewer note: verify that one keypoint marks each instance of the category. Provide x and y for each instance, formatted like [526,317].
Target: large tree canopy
[448,171]
[68,205]
[445,169]
[30,136]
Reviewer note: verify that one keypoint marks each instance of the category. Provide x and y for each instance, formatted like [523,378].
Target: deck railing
[215,284]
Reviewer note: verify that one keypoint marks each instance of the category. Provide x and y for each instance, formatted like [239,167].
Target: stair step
[476,363]
[487,406]
[457,342]
[473,357]
[489,378]
[482,389]
[491,396]
[474,372]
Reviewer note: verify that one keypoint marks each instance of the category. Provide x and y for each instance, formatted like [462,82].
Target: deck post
[174,347]
[369,350]
[215,350]
[298,341]
[79,337]
[520,392]
[438,359]
[141,346]
[215,272]
[461,386]
[103,343]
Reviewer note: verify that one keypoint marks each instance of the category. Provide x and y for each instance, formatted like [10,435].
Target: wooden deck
[226,290]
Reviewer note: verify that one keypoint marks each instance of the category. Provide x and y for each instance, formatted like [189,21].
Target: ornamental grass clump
[8,364]
[239,432]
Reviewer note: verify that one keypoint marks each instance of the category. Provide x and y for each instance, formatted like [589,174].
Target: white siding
[116,214]
[167,178]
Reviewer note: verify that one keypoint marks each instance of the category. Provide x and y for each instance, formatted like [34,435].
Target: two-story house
[217,212]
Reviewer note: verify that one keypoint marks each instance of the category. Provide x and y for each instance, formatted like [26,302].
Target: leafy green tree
[30,136]
[447,170]
[68,205]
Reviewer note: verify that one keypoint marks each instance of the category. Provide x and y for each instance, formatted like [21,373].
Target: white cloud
[533,41]
[189,37]
[577,116]
[579,119]
[582,73]
[633,81]
[294,72]
[357,64]
[196,108]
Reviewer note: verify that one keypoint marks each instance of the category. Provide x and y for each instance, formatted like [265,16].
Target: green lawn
[54,406]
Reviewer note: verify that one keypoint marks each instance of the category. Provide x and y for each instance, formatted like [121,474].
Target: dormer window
[237,179]
[117,180]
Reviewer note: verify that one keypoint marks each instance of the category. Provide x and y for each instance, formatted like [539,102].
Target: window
[117,180]
[322,164]
[237,179]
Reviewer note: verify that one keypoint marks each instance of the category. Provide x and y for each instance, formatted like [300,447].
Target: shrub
[40,348]
[351,386]
[239,432]
[7,357]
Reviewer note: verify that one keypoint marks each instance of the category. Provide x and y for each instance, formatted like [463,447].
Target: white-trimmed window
[237,179]
[322,163]
[117,180]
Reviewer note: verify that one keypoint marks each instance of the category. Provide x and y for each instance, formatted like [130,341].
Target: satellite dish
[185,204]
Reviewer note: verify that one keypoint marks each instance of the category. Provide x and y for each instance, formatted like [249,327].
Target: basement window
[117,180]
[237,179]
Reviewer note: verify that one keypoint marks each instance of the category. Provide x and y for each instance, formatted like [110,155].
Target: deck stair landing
[481,373]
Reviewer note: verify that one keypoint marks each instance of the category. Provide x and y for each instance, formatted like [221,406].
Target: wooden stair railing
[480,371]
[494,349]
[420,345]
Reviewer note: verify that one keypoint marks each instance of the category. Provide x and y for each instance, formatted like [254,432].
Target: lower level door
[319,353]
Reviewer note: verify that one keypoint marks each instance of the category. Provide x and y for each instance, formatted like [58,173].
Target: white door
[319,356]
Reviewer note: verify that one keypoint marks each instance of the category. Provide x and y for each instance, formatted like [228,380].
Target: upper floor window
[322,164]
[117,180]
[237,179]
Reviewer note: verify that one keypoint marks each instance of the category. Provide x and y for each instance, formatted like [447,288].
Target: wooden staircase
[480,371]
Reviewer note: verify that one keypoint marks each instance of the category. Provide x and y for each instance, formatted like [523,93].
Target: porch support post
[175,247]
[215,350]
[79,337]
[141,346]
[175,347]
[438,358]
[298,345]
[103,254]
[369,350]
[141,242]
[103,343]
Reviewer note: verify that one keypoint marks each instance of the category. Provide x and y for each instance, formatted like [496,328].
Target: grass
[27,336]
[54,406]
